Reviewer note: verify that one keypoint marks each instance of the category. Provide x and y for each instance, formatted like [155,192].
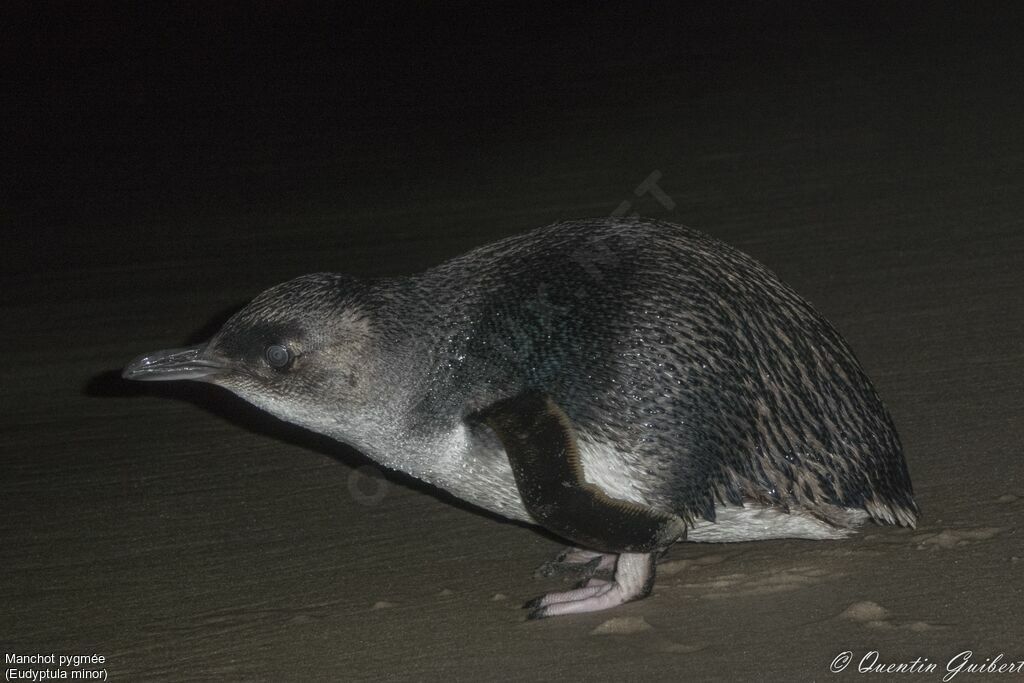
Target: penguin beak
[172,364]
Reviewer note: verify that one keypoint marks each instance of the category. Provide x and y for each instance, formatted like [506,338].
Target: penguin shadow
[108,384]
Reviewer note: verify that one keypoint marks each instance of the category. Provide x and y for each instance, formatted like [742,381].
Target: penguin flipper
[541,448]
[538,439]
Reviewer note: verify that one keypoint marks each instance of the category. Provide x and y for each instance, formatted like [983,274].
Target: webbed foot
[634,578]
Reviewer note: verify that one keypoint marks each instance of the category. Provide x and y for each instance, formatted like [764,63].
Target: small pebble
[865,611]
[621,625]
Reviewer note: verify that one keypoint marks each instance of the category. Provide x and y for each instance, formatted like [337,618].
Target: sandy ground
[185,536]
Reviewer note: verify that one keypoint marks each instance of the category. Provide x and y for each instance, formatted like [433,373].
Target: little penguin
[623,383]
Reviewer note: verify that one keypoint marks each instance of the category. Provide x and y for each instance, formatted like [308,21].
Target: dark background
[120,115]
[162,163]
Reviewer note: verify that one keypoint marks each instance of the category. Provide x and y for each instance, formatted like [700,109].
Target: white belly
[621,476]
[481,475]
[756,523]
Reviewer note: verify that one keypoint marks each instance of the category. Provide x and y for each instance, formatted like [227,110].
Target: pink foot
[634,577]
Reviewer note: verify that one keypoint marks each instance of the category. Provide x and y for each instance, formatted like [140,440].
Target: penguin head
[302,350]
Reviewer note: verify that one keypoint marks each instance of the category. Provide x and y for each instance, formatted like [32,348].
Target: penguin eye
[277,356]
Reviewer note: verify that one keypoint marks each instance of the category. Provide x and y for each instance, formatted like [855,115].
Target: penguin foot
[634,578]
[585,563]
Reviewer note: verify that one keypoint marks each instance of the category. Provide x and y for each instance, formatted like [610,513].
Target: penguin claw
[537,609]
[538,613]
[533,604]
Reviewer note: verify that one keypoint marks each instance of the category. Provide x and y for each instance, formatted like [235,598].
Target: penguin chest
[467,465]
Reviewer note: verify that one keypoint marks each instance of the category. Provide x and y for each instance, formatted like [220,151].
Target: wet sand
[876,163]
